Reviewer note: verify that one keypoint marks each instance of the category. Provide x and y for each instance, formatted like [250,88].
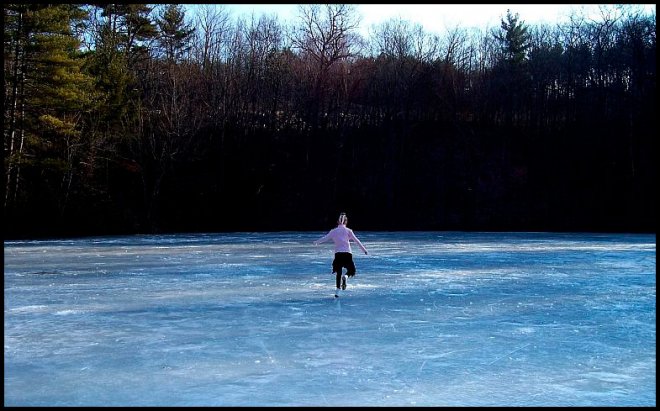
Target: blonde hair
[343,219]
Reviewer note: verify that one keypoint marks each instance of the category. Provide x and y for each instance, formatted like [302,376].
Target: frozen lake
[249,319]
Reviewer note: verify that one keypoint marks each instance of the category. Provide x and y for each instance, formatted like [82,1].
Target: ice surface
[433,318]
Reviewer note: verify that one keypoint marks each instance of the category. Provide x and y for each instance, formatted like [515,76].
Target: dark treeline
[135,118]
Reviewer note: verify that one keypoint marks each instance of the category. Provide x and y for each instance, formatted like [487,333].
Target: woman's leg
[350,266]
[337,268]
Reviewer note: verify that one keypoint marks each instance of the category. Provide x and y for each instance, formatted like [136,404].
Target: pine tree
[175,34]
[511,78]
[121,37]
[48,94]
[514,38]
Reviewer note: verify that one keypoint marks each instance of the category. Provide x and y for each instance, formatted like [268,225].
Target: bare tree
[209,51]
[212,24]
[405,52]
[326,35]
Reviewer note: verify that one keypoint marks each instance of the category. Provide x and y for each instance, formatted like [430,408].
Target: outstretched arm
[322,239]
[354,238]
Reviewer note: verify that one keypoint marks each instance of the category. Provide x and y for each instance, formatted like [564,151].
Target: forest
[143,118]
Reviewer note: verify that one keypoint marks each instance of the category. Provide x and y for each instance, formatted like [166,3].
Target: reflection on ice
[249,319]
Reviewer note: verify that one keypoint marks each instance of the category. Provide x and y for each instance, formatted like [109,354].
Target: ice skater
[342,236]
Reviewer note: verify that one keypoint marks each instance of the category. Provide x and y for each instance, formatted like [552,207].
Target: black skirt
[343,260]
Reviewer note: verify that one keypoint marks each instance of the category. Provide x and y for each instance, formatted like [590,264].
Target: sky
[437,18]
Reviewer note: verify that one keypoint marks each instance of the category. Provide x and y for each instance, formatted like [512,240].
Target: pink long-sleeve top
[341,236]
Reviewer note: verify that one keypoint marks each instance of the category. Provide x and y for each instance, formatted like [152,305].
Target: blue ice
[249,319]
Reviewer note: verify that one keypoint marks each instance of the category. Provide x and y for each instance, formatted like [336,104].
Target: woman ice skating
[342,236]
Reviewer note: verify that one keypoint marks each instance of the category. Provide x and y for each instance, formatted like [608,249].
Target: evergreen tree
[121,34]
[175,34]
[514,39]
[510,76]
[49,95]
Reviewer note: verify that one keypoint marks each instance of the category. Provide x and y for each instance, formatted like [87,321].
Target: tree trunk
[13,113]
